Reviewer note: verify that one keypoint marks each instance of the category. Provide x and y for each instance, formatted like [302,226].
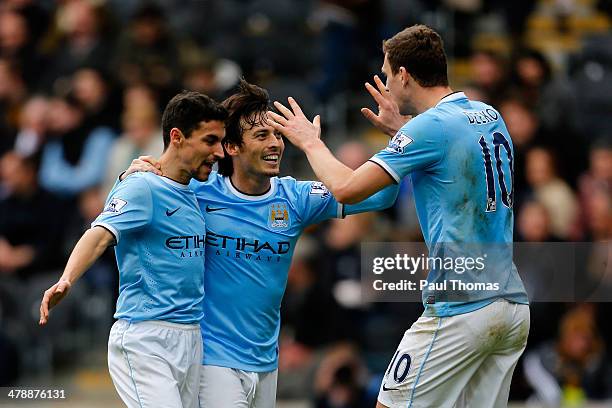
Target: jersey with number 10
[460,158]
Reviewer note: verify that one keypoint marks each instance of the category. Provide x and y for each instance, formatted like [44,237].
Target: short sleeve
[418,145]
[316,203]
[129,207]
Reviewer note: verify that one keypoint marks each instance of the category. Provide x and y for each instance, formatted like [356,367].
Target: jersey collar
[452,97]
[247,197]
[174,183]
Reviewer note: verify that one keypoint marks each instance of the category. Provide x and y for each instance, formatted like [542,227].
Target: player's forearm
[89,248]
[382,200]
[334,174]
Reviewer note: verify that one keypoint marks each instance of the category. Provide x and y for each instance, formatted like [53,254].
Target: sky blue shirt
[249,245]
[61,177]
[160,234]
[460,157]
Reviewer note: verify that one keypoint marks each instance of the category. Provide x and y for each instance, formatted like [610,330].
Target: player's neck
[250,184]
[171,168]
[429,97]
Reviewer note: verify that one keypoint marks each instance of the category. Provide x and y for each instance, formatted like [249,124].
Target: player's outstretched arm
[347,185]
[381,200]
[389,119]
[89,248]
[142,164]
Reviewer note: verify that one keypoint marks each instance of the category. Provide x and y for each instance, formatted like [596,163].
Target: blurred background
[82,86]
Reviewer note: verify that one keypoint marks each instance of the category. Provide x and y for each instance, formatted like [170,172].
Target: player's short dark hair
[247,107]
[185,112]
[420,50]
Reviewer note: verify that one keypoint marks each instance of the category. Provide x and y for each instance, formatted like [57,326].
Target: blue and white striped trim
[416,380]
[127,359]
[340,211]
[387,168]
[108,227]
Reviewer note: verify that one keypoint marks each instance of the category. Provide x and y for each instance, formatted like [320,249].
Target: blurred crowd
[82,85]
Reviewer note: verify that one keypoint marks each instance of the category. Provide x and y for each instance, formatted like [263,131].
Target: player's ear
[176,136]
[405,77]
[232,149]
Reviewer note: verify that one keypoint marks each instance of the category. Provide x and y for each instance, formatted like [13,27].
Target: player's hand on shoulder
[389,119]
[52,297]
[142,164]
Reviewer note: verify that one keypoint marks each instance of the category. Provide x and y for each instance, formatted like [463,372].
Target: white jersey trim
[388,168]
[109,227]
[175,183]
[234,191]
[452,97]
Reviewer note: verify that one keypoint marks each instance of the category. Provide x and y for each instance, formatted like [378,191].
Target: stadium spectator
[523,125]
[32,126]
[12,94]
[593,185]
[102,105]
[141,137]
[148,51]
[75,156]
[347,38]
[80,38]
[340,381]
[549,97]
[534,224]
[533,228]
[310,319]
[138,94]
[599,207]
[574,367]
[36,15]
[30,221]
[17,46]
[489,75]
[552,191]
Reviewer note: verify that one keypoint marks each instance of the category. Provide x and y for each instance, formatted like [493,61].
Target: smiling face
[260,153]
[201,150]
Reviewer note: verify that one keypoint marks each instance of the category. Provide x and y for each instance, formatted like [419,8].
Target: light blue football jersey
[249,244]
[460,157]
[160,234]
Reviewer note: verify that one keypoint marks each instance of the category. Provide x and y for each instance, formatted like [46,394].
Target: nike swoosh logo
[210,209]
[389,389]
[169,213]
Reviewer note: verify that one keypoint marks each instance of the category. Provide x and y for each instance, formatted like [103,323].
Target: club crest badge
[278,217]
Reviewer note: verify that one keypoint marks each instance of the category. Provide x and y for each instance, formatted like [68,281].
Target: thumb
[62,287]
[317,123]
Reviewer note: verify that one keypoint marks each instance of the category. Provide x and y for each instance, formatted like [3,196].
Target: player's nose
[276,143]
[218,152]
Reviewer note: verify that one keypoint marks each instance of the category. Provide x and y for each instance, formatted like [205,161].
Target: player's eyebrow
[212,137]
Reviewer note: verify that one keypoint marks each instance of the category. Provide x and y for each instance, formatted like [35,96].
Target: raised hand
[52,297]
[294,125]
[389,119]
[143,164]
